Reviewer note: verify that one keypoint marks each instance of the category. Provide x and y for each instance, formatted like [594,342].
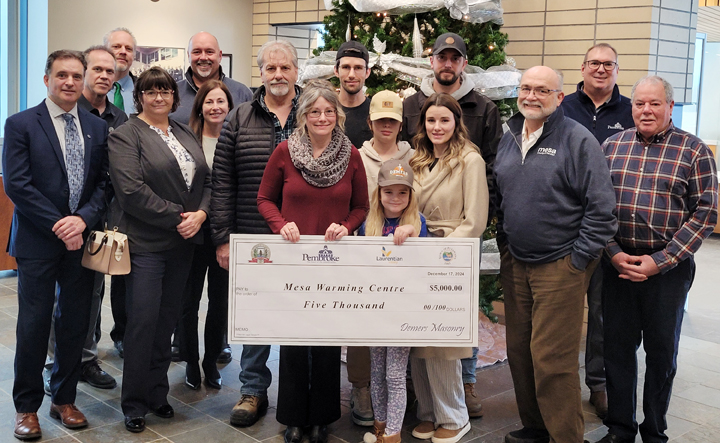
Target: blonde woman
[452,194]
[319,177]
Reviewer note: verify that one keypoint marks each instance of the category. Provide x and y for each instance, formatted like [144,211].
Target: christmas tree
[485,48]
[485,42]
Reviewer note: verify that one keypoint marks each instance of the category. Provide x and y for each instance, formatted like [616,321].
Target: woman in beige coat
[453,196]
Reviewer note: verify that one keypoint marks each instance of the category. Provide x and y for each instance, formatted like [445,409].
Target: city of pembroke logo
[617,126]
[260,253]
[324,255]
[386,256]
[449,40]
[448,255]
[398,171]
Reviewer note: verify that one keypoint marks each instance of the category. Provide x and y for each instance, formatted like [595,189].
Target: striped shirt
[667,194]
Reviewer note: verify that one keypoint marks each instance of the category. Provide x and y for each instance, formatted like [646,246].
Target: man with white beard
[250,134]
[205,55]
[555,205]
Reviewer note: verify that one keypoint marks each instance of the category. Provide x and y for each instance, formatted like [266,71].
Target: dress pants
[544,313]
[204,262]
[117,305]
[358,366]
[309,385]
[38,281]
[90,352]
[594,363]
[650,313]
[154,304]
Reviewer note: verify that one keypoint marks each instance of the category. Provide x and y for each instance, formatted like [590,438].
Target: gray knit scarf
[330,167]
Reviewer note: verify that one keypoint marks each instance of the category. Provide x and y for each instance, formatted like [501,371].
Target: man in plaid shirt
[666,184]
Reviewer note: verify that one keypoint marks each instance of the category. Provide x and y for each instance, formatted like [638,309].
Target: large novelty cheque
[359,291]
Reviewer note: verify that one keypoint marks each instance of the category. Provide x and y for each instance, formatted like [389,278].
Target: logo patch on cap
[449,40]
[387,105]
[398,172]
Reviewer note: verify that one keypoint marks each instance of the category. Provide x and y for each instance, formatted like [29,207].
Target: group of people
[199,160]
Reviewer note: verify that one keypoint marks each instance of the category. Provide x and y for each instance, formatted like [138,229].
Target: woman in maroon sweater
[320,179]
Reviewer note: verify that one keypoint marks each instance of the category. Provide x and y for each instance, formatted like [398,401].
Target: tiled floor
[203,416]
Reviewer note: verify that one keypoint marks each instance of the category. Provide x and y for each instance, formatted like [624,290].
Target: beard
[120,68]
[201,71]
[445,81]
[531,113]
[279,89]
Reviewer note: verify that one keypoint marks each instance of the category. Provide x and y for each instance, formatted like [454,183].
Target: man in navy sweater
[555,206]
[599,107]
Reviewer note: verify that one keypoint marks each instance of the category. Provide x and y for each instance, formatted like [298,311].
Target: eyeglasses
[539,92]
[152,94]
[329,113]
[595,65]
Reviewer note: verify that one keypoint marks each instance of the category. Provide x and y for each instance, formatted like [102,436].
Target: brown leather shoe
[599,400]
[472,401]
[27,426]
[70,416]
[247,411]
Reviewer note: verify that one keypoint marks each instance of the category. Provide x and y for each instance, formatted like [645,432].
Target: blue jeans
[254,373]
[468,368]
[650,313]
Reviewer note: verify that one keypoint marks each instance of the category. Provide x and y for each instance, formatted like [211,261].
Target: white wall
[36,44]
[78,24]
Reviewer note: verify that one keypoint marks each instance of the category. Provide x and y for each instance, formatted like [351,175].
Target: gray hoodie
[372,161]
[466,85]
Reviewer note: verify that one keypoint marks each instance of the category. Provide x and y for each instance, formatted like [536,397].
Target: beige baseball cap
[395,172]
[386,104]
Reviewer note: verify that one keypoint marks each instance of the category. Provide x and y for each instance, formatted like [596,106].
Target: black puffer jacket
[246,142]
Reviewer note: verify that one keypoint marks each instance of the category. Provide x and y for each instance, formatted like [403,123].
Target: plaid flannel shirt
[667,193]
[282,133]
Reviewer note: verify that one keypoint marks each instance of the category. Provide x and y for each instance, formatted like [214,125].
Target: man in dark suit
[55,171]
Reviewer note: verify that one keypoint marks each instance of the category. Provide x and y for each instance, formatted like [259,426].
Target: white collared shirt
[56,115]
[529,140]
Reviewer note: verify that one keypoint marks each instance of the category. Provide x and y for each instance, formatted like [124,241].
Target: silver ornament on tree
[348,33]
[417,40]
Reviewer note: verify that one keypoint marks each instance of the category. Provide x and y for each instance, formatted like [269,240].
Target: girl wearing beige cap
[393,211]
[385,122]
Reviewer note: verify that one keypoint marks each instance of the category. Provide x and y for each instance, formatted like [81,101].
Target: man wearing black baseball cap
[351,68]
[482,118]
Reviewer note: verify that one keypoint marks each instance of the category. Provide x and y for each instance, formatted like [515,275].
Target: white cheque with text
[359,291]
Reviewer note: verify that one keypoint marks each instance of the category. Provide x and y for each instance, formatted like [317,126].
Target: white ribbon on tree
[497,82]
[473,11]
